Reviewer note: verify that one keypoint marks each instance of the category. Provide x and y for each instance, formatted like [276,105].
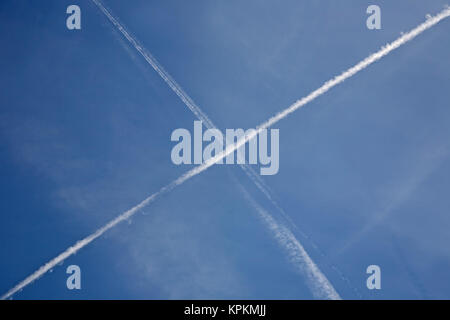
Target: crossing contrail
[197,111]
[430,22]
[178,90]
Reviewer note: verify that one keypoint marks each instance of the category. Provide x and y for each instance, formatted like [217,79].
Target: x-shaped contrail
[430,22]
[254,177]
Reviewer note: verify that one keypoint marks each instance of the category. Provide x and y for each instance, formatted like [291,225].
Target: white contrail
[189,102]
[231,148]
[176,88]
[156,66]
[319,285]
[197,111]
[77,246]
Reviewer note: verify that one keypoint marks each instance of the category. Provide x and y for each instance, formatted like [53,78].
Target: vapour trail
[430,22]
[189,102]
[157,67]
[319,285]
[178,90]
[77,246]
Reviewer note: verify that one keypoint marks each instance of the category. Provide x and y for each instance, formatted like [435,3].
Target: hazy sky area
[85,126]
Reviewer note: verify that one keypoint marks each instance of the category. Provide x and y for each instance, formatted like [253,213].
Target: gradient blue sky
[85,130]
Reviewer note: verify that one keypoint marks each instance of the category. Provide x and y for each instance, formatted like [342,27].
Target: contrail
[430,22]
[157,67]
[319,285]
[197,111]
[77,246]
[178,90]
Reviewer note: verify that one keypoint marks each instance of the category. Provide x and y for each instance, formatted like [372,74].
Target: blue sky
[85,130]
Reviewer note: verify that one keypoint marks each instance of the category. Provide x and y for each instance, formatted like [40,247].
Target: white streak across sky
[178,90]
[317,282]
[430,22]
[198,112]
